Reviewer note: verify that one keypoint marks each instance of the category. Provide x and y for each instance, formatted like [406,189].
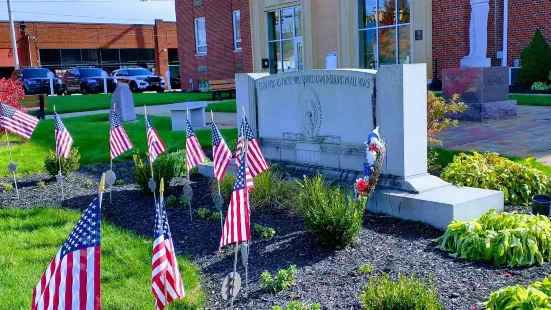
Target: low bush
[272,190]
[535,296]
[535,60]
[41,184]
[541,86]
[170,201]
[68,165]
[88,184]
[123,170]
[163,167]
[119,182]
[215,216]
[365,269]
[518,181]
[331,215]
[232,144]
[267,233]
[404,294]
[506,238]
[203,213]
[7,187]
[285,279]
[183,201]
[297,305]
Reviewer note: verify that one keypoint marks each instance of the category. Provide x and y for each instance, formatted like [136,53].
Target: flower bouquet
[375,151]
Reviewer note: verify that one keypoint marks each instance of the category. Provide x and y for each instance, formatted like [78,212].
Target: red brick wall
[221,61]
[451,20]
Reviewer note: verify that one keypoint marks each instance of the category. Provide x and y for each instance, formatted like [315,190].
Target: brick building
[214,39]
[59,46]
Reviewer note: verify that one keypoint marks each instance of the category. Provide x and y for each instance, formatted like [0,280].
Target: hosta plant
[517,181]
[507,238]
[535,296]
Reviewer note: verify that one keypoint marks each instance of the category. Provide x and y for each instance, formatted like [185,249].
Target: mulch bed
[325,276]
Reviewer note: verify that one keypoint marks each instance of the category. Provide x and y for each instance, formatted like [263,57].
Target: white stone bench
[196,114]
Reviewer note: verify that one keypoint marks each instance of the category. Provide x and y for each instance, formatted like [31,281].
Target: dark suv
[35,80]
[140,79]
[86,80]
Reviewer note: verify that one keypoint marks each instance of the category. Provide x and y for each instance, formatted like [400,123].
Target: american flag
[154,142]
[221,153]
[63,140]
[255,160]
[194,152]
[167,282]
[72,280]
[237,226]
[17,121]
[118,139]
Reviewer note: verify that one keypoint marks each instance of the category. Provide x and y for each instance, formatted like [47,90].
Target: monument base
[475,62]
[489,111]
[437,207]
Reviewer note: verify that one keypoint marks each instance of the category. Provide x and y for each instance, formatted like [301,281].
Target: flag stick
[234,273]
[218,181]
[150,162]
[11,162]
[111,159]
[161,201]
[101,187]
[245,148]
[188,173]
[59,174]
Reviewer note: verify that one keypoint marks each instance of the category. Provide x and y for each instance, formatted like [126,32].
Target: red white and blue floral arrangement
[375,148]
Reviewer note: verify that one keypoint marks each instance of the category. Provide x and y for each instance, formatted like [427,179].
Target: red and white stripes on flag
[63,140]
[237,226]
[154,142]
[194,152]
[166,282]
[220,152]
[72,280]
[255,160]
[118,139]
[17,121]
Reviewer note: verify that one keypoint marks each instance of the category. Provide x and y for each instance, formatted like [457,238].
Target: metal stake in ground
[231,285]
[110,176]
[246,245]
[12,167]
[218,200]
[161,201]
[188,193]
[59,176]
[152,185]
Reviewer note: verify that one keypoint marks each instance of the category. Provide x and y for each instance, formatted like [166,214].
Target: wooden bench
[35,103]
[222,86]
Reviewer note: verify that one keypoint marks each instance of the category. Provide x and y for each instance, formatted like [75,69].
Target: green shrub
[88,184]
[68,165]
[271,190]
[163,167]
[203,213]
[506,238]
[405,294]
[365,269]
[331,215]
[123,170]
[170,201]
[267,233]
[297,305]
[215,216]
[541,86]
[535,296]
[183,201]
[7,187]
[517,181]
[119,182]
[232,144]
[535,60]
[285,279]
[41,184]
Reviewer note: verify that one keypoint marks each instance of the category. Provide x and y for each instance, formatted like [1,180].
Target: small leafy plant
[215,216]
[535,296]
[298,305]
[123,170]
[68,165]
[505,238]
[88,184]
[41,184]
[404,294]
[267,233]
[285,279]
[517,181]
[170,201]
[203,213]
[183,201]
[7,187]
[119,182]
[365,269]
[540,86]
[163,167]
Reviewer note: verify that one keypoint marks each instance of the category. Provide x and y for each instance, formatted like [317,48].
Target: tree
[535,60]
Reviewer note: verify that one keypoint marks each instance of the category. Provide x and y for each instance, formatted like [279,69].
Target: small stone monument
[125,103]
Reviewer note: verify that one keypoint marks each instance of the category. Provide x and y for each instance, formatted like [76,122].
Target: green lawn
[525,99]
[91,136]
[29,239]
[67,104]
[226,106]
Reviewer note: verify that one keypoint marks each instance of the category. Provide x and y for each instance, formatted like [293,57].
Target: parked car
[35,80]
[86,80]
[140,79]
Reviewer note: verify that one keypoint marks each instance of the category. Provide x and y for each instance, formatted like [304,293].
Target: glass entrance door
[298,54]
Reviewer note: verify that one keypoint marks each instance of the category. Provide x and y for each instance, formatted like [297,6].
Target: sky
[90,11]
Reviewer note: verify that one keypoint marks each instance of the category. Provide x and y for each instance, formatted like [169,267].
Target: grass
[526,99]
[29,239]
[226,106]
[68,104]
[91,136]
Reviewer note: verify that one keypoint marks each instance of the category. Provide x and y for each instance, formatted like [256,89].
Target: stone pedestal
[125,103]
[178,114]
[475,62]
[484,90]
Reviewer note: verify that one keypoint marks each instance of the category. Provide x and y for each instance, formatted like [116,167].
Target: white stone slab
[196,114]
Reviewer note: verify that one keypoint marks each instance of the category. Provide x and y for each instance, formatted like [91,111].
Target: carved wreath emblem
[309,114]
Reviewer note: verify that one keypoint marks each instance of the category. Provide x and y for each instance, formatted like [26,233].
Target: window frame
[235,39]
[280,39]
[197,46]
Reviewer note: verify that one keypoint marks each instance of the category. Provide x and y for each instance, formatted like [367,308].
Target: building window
[200,36]
[384,32]
[285,40]
[237,30]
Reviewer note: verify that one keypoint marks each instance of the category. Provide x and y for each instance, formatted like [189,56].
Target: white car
[140,79]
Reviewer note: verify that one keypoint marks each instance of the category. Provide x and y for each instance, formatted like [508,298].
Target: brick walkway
[527,135]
